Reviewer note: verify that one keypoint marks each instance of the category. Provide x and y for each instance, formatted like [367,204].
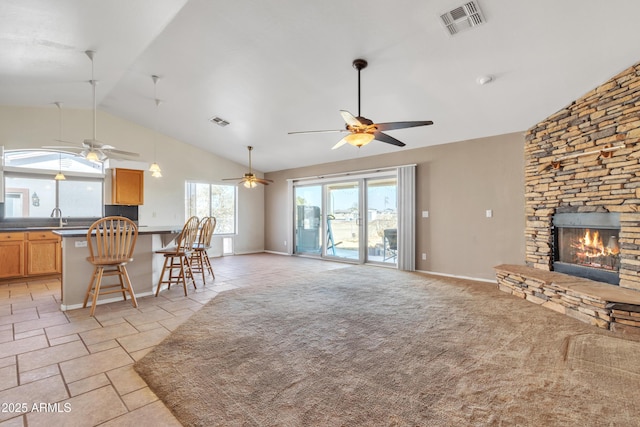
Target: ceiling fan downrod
[359,64]
[90,54]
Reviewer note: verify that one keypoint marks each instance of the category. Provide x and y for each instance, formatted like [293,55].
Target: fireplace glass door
[586,245]
[592,248]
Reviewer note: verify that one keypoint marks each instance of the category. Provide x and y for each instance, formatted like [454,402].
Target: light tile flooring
[69,369]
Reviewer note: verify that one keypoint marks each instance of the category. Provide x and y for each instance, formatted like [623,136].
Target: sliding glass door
[354,220]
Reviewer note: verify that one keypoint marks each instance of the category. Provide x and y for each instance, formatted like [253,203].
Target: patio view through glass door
[343,220]
[382,220]
[308,217]
[354,220]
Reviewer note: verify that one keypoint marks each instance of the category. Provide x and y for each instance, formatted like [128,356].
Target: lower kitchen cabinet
[29,254]
[12,255]
[43,253]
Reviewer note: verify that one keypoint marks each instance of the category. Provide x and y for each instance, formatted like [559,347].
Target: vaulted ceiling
[269,67]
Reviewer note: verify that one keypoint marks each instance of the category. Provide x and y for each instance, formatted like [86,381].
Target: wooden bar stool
[176,258]
[111,241]
[199,258]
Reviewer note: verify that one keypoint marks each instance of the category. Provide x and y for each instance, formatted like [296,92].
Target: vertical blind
[406,218]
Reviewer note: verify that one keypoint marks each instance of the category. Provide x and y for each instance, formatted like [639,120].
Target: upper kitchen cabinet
[127,186]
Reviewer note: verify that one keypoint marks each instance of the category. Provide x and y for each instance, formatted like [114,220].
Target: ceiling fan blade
[232,179]
[64,147]
[401,125]
[340,143]
[318,131]
[121,152]
[263,181]
[62,141]
[349,118]
[383,137]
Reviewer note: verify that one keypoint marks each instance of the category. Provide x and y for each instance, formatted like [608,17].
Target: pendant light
[59,176]
[155,170]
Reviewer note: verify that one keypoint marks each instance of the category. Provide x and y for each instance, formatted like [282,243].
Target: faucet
[57,213]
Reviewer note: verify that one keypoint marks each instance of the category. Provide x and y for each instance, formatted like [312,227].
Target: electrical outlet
[81,244]
[424,257]
[425,214]
[488,213]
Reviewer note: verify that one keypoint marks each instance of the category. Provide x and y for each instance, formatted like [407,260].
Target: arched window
[30,190]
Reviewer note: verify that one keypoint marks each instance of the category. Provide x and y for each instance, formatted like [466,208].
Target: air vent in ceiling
[462,18]
[218,121]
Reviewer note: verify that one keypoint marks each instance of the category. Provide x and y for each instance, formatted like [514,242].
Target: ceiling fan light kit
[362,130]
[92,156]
[359,139]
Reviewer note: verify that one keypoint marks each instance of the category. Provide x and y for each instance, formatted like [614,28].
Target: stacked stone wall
[585,158]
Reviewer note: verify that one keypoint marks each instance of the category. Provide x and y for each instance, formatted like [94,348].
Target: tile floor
[69,369]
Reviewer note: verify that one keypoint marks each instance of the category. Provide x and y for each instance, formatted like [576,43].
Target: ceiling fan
[91,148]
[362,130]
[249,180]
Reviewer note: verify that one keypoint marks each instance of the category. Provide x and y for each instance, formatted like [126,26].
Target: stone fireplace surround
[584,158]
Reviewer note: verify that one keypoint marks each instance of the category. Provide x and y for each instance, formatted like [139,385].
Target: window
[31,191]
[216,200]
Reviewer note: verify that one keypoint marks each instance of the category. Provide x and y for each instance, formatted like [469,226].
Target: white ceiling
[274,66]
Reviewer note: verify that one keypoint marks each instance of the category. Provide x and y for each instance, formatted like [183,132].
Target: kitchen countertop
[142,230]
[81,230]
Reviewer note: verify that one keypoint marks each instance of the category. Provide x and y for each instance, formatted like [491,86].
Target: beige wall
[22,127]
[456,183]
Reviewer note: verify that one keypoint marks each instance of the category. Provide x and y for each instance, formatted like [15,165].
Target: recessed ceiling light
[217,120]
[483,80]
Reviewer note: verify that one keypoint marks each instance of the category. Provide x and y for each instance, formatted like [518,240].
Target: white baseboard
[64,307]
[248,252]
[277,253]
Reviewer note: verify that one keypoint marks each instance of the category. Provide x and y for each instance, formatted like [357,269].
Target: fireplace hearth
[586,245]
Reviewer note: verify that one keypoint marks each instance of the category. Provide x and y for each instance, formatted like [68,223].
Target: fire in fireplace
[586,245]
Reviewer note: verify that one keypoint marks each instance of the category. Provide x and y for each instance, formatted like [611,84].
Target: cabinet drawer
[41,235]
[6,237]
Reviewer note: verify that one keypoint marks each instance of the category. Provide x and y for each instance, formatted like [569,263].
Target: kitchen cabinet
[127,186]
[26,254]
[12,255]
[43,253]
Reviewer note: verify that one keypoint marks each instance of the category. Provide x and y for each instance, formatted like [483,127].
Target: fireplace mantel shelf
[603,305]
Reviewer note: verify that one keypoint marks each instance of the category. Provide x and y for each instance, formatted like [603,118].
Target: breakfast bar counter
[144,270]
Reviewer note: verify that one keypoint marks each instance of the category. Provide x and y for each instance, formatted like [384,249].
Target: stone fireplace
[582,164]
[584,159]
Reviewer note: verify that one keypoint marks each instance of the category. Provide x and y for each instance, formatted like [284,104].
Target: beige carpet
[368,346]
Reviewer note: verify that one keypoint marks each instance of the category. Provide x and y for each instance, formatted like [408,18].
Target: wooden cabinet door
[43,253]
[127,187]
[11,255]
